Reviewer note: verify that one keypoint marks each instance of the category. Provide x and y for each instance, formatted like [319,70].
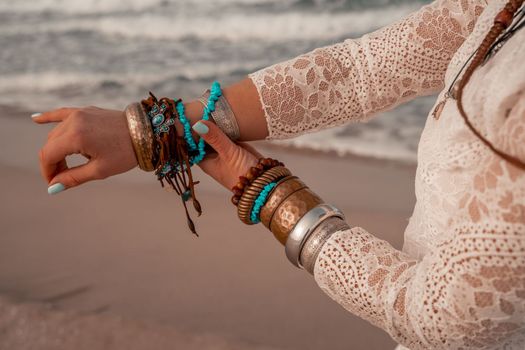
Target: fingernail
[200,128]
[34,115]
[56,188]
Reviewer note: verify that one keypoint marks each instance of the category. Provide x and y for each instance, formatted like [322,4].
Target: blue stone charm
[186,196]
[157,120]
[165,169]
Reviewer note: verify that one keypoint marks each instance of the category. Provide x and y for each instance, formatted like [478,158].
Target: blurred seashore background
[111,265]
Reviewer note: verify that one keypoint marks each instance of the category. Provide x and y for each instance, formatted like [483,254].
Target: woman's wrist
[245,104]
[194,111]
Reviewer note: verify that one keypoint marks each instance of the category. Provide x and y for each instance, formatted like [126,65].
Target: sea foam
[110,52]
[230,27]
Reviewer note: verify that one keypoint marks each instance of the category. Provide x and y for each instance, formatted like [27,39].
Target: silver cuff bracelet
[223,116]
[304,228]
[315,243]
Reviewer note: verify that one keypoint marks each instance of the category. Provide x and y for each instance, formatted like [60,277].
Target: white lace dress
[460,280]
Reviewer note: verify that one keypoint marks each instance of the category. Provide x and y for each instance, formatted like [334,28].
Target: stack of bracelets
[268,193]
[159,147]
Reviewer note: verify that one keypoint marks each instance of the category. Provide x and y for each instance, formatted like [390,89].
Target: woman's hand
[232,159]
[100,135]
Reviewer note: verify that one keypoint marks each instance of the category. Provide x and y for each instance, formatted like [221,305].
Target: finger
[215,137]
[210,163]
[54,153]
[56,115]
[55,188]
[250,149]
[57,131]
[74,177]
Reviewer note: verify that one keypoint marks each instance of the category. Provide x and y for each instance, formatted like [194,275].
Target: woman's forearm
[356,79]
[349,81]
[245,104]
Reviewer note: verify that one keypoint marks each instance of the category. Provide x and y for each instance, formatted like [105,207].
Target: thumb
[215,137]
[72,177]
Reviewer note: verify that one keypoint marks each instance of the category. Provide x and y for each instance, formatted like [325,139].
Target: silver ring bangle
[304,228]
[315,243]
[223,116]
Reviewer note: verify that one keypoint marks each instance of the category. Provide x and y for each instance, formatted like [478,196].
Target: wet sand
[112,263]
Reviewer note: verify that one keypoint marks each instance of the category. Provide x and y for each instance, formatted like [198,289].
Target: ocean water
[109,52]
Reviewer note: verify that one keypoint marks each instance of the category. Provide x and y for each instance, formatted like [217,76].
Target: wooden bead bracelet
[253,173]
[252,191]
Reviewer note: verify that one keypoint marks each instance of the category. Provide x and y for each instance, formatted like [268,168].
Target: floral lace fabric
[354,79]
[459,282]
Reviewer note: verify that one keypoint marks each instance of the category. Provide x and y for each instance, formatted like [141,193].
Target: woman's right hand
[100,135]
[231,160]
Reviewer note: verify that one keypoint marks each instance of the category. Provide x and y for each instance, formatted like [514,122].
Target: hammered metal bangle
[313,244]
[141,133]
[290,211]
[247,200]
[223,116]
[282,190]
[305,226]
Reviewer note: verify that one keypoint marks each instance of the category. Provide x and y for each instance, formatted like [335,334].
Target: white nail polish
[34,115]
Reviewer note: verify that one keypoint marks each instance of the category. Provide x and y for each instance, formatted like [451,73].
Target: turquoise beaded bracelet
[260,201]
[215,94]
[186,125]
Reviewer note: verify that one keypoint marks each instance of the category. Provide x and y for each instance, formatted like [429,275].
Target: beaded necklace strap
[503,21]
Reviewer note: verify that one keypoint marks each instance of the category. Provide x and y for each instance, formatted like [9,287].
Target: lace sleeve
[466,290]
[469,290]
[469,293]
[354,79]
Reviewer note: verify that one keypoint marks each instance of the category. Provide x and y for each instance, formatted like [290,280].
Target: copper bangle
[284,188]
[252,191]
[141,133]
[290,211]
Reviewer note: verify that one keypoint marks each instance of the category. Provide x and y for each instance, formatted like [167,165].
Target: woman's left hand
[232,159]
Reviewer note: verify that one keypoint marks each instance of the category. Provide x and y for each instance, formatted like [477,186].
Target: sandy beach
[112,264]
